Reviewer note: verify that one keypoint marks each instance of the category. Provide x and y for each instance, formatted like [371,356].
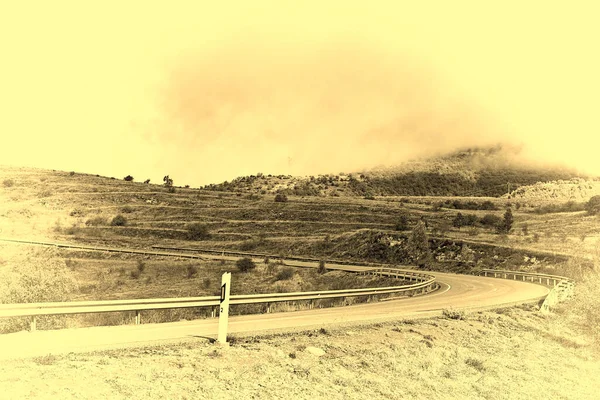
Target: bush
[402,224]
[119,220]
[281,198]
[127,209]
[191,271]
[206,283]
[135,274]
[490,220]
[141,266]
[8,183]
[453,314]
[321,268]
[285,274]
[197,231]
[245,264]
[593,206]
[128,178]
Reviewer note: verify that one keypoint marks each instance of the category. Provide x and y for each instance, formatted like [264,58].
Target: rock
[315,351]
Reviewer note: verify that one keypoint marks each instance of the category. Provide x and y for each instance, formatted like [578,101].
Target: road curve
[458,291]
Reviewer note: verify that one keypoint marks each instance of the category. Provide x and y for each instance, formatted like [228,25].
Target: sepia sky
[206,92]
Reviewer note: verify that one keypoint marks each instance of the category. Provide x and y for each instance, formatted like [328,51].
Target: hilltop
[480,172]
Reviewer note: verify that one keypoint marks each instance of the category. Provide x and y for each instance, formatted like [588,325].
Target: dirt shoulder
[504,354]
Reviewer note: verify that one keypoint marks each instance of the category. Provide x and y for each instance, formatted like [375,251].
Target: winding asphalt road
[458,291]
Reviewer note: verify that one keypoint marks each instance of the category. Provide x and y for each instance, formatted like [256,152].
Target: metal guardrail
[562,287]
[424,283]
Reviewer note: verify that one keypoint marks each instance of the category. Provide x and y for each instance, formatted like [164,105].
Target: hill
[481,172]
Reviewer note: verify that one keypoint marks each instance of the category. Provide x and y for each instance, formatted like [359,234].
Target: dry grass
[517,354]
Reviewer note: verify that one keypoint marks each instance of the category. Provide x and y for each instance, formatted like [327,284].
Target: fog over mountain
[206,93]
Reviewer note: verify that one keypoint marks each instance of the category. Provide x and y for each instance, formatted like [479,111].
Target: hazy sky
[206,92]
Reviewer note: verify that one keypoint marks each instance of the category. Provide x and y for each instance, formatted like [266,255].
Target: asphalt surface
[457,292]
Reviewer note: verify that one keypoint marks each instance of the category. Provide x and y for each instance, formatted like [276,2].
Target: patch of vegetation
[285,274]
[197,231]
[245,264]
[321,269]
[506,225]
[128,178]
[8,183]
[593,206]
[569,206]
[127,209]
[281,198]
[418,245]
[191,272]
[453,314]
[119,220]
[467,205]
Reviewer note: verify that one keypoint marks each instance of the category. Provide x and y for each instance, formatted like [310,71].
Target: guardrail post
[138,317]
[484,273]
[33,324]
[224,308]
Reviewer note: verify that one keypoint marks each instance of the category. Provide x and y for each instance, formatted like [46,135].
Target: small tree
[128,178]
[458,221]
[593,205]
[418,245]
[245,264]
[168,182]
[506,224]
[147,181]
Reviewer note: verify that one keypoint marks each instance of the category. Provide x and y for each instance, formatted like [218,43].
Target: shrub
[135,274]
[206,283]
[119,220]
[281,198]
[197,231]
[191,271]
[8,183]
[245,264]
[127,209]
[402,224]
[147,181]
[490,220]
[128,178]
[593,206]
[285,274]
[321,268]
[141,266]
[77,212]
[453,314]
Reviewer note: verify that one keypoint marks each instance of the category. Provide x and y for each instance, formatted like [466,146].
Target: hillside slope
[489,172]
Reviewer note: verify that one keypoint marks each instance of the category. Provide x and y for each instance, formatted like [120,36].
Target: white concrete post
[224,307]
